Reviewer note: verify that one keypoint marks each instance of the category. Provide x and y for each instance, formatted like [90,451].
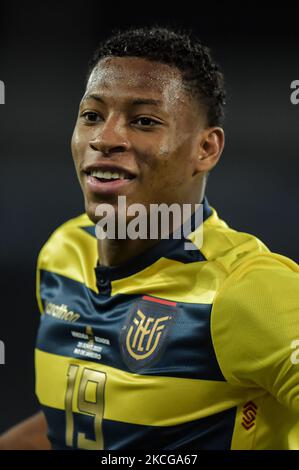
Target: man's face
[136,121]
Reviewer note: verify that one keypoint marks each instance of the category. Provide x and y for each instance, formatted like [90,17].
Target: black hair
[200,74]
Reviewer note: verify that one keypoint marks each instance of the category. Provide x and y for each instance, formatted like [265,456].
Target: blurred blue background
[44,50]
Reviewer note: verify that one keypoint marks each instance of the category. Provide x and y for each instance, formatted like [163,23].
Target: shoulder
[255,316]
[256,281]
[255,310]
[263,276]
[70,227]
[71,251]
[228,247]
[71,235]
[241,255]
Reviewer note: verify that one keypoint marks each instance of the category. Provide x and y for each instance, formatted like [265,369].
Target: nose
[110,137]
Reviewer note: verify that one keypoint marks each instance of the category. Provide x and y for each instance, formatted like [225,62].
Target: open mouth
[109,176]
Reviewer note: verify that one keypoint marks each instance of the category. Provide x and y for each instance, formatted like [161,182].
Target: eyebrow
[133,101]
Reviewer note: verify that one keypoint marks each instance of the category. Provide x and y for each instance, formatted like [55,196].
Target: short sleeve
[255,327]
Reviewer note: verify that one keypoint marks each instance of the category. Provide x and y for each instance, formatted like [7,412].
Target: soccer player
[144,344]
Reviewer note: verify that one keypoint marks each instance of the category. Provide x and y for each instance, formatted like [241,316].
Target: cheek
[176,158]
[177,147]
[168,161]
[77,146]
[155,151]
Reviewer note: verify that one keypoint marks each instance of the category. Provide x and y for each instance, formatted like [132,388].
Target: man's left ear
[210,148]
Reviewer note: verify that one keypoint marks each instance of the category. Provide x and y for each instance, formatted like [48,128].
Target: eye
[144,121]
[91,116]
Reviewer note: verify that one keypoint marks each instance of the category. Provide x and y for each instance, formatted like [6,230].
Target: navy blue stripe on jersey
[170,249]
[210,433]
[189,351]
[90,229]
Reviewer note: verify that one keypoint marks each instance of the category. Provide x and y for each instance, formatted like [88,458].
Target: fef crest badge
[144,336]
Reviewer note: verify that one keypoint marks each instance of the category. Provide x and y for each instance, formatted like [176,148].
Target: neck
[115,252]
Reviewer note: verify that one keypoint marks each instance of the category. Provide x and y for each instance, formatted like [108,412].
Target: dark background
[44,50]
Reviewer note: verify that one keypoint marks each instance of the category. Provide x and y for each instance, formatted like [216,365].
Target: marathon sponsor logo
[62,312]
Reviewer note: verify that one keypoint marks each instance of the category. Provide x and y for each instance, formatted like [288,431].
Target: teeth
[107,175]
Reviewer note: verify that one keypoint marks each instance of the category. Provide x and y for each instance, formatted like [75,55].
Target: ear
[210,147]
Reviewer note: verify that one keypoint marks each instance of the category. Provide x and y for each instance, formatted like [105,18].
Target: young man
[144,343]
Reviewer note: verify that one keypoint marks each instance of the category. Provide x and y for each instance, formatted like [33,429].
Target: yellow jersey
[175,349]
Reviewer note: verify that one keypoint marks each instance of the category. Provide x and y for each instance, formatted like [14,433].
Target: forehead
[126,76]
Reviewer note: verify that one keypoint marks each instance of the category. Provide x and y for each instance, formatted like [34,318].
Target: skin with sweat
[136,114]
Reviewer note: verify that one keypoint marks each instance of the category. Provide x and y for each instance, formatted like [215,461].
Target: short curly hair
[200,74]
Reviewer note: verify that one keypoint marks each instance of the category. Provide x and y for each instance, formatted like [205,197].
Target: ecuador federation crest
[144,336]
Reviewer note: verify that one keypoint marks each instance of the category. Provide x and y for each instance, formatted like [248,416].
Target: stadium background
[43,57]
